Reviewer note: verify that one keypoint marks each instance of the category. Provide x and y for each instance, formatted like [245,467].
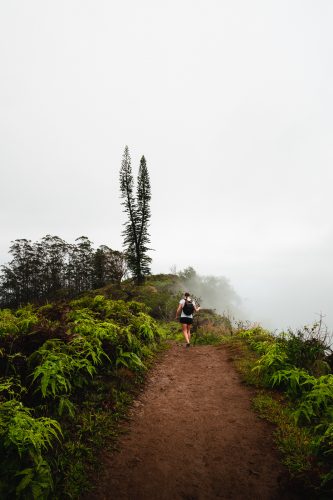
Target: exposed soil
[193,435]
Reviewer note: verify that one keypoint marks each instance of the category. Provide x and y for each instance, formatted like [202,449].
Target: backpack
[188,308]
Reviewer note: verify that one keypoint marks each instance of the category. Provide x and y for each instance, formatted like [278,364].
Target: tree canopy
[51,268]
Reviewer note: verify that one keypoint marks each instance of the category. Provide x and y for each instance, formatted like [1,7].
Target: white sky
[230,101]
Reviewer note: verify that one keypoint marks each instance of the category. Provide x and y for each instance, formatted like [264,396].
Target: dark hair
[186,294]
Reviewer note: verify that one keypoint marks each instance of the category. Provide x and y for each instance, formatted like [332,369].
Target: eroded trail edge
[193,435]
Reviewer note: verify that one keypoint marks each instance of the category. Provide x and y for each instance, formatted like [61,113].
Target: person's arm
[179,310]
[196,308]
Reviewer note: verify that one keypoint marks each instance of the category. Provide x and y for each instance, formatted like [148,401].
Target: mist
[212,292]
[231,102]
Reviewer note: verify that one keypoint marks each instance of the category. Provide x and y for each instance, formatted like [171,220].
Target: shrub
[317,401]
[27,318]
[24,471]
[67,350]
[294,380]
[273,360]
[129,360]
[306,349]
[8,322]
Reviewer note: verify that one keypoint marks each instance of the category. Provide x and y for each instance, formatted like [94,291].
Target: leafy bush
[299,364]
[317,401]
[306,348]
[27,318]
[24,471]
[294,380]
[129,360]
[8,322]
[274,359]
[65,360]
[62,365]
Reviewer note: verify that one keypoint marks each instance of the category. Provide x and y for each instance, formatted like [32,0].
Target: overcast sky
[231,102]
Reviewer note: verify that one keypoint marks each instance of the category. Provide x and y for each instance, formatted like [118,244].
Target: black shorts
[186,321]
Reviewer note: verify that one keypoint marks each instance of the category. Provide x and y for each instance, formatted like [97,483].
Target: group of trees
[51,268]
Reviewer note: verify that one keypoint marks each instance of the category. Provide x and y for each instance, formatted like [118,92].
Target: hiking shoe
[188,345]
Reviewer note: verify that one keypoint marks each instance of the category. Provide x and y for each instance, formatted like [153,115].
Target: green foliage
[273,360]
[54,374]
[63,365]
[67,360]
[294,380]
[317,401]
[8,322]
[130,360]
[26,319]
[11,388]
[20,322]
[298,363]
[296,443]
[306,348]
[23,439]
[88,349]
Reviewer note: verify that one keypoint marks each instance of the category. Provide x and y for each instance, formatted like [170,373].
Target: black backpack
[188,308]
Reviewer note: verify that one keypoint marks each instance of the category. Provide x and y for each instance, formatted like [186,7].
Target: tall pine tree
[143,198]
[136,236]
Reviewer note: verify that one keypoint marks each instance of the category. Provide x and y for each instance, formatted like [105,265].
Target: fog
[231,103]
[212,292]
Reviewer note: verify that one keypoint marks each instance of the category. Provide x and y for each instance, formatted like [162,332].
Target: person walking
[186,307]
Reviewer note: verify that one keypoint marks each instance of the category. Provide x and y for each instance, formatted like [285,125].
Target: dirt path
[192,435]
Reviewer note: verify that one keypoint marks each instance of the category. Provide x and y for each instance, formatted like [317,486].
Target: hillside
[72,373]
[68,371]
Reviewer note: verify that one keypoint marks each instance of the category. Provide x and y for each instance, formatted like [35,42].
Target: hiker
[186,307]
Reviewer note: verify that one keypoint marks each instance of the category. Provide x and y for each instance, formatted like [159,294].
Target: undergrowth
[68,373]
[293,374]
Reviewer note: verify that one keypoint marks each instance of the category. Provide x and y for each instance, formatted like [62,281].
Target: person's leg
[189,333]
[184,327]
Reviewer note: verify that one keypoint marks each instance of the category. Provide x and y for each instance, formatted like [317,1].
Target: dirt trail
[192,435]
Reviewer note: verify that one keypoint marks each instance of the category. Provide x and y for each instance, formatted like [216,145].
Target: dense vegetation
[51,268]
[296,367]
[65,370]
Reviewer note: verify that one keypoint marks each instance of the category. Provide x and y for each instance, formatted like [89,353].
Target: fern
[295,380]
[66,405]
[8,322]
[129,360]
[27,437]
[26,319]
[54,374]
[11,388]
[318,401]
[273,360]
[88,348]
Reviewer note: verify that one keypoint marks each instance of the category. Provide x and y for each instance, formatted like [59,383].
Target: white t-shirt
[183,315]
